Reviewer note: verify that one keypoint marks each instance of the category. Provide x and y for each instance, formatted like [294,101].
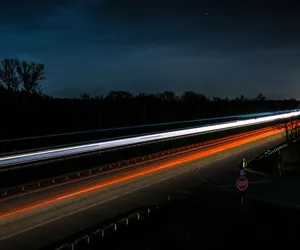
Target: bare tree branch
[30,75]
[8,76]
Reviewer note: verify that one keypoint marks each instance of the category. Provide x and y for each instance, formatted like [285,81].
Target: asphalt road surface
[35,220]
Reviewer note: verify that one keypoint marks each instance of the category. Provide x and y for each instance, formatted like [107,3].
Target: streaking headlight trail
[55,153]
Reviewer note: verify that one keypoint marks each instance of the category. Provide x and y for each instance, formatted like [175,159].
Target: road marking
[132,190]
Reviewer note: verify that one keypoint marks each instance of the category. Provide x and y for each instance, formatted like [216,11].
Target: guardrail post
[127,221]
[72,246]
[148,210]
[138,216]
[244,163]
[115,226]
[88,239]
[102,232]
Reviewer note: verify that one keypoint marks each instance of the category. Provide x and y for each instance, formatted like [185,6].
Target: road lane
[96,206]
[57,192]
[71,178]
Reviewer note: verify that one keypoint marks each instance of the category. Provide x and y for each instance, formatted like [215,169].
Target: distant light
[206,13]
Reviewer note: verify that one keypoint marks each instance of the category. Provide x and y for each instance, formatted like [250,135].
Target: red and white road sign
[242,183]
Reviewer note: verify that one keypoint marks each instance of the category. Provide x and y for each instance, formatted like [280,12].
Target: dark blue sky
[223,48]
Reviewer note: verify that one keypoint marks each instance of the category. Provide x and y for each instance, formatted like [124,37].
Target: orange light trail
[204,145]
[138,173]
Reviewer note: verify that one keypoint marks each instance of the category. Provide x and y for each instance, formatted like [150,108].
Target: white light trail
[55,153]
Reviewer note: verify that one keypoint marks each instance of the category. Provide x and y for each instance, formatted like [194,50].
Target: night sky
[223,48]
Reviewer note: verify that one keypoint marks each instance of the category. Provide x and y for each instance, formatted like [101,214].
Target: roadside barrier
[265,154]
[82,239]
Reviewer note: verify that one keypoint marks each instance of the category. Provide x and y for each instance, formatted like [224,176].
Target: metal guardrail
[95,152]
[246,116]
[273,150]
[33,162]
[266,154]
[78,143]
[83,143]
[108,168]
[95,232]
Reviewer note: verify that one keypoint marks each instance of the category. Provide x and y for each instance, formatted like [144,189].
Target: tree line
[21,76]
[26,110]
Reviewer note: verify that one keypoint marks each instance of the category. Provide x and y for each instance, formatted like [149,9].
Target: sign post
[242,172]
[242,184]
[244,163]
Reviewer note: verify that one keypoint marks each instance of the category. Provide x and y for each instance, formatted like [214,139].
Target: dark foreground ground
[206,218]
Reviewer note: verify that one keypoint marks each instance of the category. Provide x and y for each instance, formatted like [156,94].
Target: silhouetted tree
[243,98]
[99,97]
[30,74]
[190,96]
[85,96]
[260,97]
[8,76]
[216,99]
[118,95]
[168,96]
[141,95]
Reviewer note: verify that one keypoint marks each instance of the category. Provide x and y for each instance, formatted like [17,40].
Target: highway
[34,220]
[63,152]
